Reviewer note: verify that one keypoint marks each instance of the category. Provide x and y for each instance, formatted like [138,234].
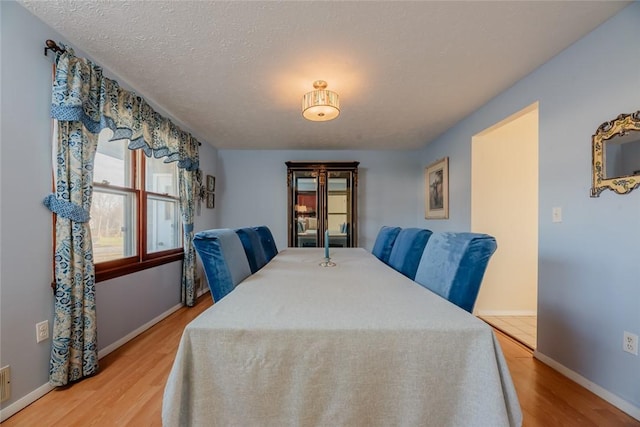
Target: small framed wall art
[211,183]
[210,187]
[211,200]
[436,201]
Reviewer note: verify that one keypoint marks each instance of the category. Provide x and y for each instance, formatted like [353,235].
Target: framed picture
[211,183]
[436,201]
[211,200]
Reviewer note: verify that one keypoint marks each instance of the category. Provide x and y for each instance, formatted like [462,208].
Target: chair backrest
[384,242]
[407,250]
[253,248]
[453,265]
[224,260]
[268,242]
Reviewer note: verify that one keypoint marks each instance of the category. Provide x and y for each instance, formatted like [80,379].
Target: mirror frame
[622,125]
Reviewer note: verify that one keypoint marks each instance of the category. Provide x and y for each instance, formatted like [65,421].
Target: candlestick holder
[327,263]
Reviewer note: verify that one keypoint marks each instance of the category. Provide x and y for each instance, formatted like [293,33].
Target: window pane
[113,225]
[161,177]
[163,227]
[112,164]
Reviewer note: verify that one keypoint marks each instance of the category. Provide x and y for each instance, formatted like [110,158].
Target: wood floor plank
[129,387]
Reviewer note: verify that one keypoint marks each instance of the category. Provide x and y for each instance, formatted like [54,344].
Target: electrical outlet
[630,343]
[42,331]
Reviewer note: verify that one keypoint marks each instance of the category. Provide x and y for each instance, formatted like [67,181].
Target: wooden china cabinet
[322,196]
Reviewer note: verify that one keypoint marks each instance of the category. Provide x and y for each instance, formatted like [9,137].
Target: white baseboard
[506,313]
[131,335]
[25,401]
[615,400]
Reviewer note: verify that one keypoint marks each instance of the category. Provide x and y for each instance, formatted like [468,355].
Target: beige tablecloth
[297,344]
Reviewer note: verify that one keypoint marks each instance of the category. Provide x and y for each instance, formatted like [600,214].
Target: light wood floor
[128,390]
[521,328]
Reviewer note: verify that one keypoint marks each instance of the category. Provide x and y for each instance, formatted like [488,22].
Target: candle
[326,244]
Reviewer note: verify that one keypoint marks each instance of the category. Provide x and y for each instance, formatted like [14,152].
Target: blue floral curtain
[74,351]
[84,102]
[188,190]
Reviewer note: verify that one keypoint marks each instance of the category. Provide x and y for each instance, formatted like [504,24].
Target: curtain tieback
[188,228]
[66,209]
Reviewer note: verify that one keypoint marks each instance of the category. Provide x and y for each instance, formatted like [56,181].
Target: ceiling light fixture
[320,105]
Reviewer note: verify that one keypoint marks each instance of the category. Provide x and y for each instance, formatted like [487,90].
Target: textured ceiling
[234,72]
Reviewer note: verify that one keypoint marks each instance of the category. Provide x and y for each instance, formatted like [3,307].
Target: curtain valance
[81,93]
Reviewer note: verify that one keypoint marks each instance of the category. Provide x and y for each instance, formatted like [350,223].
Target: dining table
[300,343]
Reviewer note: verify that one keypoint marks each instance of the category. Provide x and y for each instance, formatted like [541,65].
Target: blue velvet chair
[384,242]
[224,260]
[268,242]
[253,248]
[407,250]
[453,265]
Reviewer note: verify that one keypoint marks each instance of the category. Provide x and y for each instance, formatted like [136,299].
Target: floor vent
[5,383]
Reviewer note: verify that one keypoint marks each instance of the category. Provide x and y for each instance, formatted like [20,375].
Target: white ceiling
[234,72]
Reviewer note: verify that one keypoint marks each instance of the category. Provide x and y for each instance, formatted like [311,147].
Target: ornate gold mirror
[616,155]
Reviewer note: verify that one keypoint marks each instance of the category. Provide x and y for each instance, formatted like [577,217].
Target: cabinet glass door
[306,209]
[338,208]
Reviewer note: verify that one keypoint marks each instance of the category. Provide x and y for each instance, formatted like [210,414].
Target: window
[135,213]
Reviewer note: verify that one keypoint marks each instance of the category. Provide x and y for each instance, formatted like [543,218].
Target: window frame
[142,260]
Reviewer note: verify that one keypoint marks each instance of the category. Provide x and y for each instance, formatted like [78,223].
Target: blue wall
[589,265]
[253,188]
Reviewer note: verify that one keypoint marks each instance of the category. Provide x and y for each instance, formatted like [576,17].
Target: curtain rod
[51,45]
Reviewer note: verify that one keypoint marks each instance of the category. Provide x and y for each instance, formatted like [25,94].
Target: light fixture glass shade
[320,105]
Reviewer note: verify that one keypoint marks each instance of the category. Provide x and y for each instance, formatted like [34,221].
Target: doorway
[504,204]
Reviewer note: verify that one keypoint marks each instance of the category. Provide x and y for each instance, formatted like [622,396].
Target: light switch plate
[556,214]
